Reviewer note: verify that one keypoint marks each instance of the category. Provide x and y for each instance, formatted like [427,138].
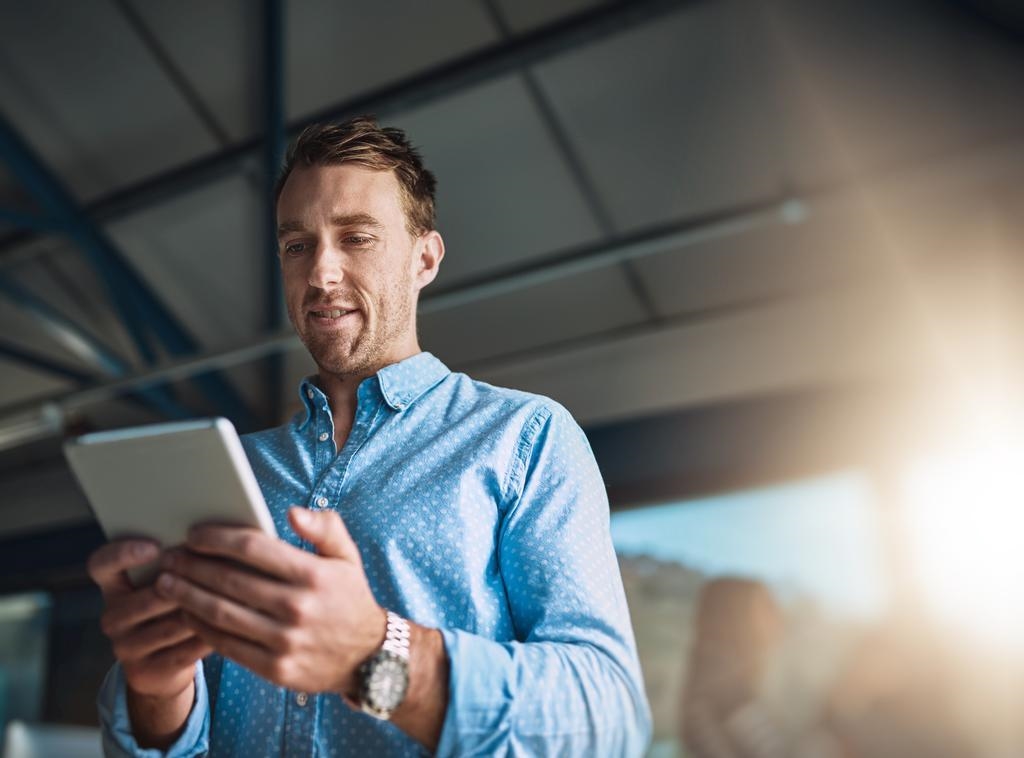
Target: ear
[431,252]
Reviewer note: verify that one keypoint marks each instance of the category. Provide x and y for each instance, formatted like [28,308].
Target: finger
[164,632]
[176,656]
[132,609]
[231,581]
[255,549]
[326,531]
[220,612]
[108,564]
[254,657]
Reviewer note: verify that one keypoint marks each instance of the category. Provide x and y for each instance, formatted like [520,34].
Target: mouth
[330,316]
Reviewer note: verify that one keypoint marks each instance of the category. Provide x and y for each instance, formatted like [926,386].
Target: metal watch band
[396,640]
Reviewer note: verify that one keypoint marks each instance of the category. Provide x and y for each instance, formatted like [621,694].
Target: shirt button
[301,698]
[322,502]
[324,436]
[309,393]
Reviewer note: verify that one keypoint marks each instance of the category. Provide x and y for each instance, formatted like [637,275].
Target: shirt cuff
[115,723]
[480,697]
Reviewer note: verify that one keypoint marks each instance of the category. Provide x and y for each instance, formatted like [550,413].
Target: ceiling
[648,206]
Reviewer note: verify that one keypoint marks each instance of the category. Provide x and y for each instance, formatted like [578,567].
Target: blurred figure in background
[750,692]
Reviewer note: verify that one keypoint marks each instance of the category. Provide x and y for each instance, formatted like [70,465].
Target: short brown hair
[363,141]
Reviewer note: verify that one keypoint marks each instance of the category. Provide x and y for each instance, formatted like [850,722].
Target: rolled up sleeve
[116,728]
[570,683]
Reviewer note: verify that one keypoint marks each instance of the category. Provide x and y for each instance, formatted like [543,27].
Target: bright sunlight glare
[965,517]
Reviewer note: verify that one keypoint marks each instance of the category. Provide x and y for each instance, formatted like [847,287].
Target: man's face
[350,268]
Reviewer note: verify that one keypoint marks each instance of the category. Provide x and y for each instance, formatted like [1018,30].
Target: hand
[300,620]
[157,650]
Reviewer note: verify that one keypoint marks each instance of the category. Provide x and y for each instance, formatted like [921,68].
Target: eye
[297,248]
[358,240]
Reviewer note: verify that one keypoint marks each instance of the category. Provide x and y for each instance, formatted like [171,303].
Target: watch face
[386,680]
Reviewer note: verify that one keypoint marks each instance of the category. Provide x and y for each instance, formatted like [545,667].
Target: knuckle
[93,566]
[310,575]
[281,670]
[218,615]
[122,650]
[248,546]
[296,607]
[108,624]
[232,583]
[288,641]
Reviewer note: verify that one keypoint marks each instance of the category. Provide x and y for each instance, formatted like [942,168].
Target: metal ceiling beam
[58,203]
[273,155]
[650,241]
[137,304]
[154,399]
[530,48]
[78,342]
[66,333]
[43,363]
[33,221]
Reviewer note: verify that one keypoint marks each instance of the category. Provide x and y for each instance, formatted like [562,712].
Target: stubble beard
[367,351]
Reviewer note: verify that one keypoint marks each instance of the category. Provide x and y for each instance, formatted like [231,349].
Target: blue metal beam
[137,304]
[32,221]
[273,153]
[80,342]
[59,204]
[43,363]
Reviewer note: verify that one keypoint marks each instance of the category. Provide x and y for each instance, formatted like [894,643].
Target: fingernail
[165,582]
[301,515]
[144,551]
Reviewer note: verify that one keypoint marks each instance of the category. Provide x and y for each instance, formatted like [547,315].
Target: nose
[326,270]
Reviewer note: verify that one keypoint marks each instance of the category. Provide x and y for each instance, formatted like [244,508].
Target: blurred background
[768,252]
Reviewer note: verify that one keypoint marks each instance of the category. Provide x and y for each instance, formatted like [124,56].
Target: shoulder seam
[512,487]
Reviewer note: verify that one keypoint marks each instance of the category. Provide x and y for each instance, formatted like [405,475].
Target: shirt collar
[401,384]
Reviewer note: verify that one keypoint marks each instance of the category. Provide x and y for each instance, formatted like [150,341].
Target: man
[475,515]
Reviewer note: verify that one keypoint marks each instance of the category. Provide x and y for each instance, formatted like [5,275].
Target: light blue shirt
[477,510]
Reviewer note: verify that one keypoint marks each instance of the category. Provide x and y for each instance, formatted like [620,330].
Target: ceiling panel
[537,317]
[218,47]
[504,194]
[827,338]
[522,15]
[773,260]
[337,50]
[204,254]
[674,118]
[83,90]
[19,384]
[873,86]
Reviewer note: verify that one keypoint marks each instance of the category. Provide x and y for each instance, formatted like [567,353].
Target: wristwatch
[384,677]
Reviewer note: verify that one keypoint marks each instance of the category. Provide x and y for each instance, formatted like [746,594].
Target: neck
[341,393]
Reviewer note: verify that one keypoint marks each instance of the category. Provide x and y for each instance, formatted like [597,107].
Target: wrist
[421,714]
[158,720]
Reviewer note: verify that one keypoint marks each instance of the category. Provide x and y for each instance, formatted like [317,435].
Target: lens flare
[965,517]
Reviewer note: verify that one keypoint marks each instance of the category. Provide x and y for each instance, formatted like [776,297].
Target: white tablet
[156,481]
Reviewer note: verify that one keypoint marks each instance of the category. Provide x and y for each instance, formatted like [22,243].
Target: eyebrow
[352,219]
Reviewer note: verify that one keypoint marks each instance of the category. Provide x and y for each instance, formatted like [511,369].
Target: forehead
[345,189]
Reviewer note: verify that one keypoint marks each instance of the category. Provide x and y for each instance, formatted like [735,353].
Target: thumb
[326,531]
